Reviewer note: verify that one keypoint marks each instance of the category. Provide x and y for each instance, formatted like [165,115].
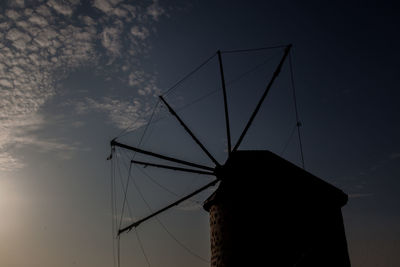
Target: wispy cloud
[110,39]
[121,113]
[41,44]
[8,162]
[103,5]
[62,7]
[155,10]
[140,32]
[360,186]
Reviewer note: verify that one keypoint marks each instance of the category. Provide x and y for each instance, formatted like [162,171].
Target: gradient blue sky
[74,74]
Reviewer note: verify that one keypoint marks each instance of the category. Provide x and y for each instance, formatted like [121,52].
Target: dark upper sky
[74,74]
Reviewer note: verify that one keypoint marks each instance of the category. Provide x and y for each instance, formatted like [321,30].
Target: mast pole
[274,76]
[170,109]
[228,131]
[141,151]
[145,164]
[137,223]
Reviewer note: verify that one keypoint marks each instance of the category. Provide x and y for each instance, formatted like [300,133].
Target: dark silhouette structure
[266,210]
[269,212]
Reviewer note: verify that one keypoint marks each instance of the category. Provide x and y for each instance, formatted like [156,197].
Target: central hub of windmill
[267,211]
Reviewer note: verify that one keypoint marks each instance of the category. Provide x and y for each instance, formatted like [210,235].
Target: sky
[75,74]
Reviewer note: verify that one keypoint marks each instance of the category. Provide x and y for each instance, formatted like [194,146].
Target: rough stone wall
[220,237]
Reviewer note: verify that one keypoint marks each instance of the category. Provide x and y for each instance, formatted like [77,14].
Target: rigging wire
[115,211]
[118,251]
[210,58]
[141,247]
[256,67]
[126,130]
[180,243]
[130,214]
[129,172]
[112,208]
[165,228]
[188,75]
[157,183]
[163,187]
[131,217]
[298,123]
[161,224]
[127,203]
[153,180]
[288,140]
[136,232]
[252,49]
[126,191]
[112,185]
[168,91]
[232,81]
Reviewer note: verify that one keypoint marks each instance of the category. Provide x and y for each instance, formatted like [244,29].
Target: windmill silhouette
[266,210]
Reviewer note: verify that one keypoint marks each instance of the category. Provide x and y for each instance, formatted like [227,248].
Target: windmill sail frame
[218,167]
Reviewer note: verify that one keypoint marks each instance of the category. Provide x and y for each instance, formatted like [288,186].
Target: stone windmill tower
[266,210]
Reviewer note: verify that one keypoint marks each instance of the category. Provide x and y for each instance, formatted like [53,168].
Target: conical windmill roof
[262,176]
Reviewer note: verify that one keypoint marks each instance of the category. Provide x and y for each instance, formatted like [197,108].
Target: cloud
[140,32]
[61,7]
[110,39]
[116,8]
[9,163]
[103,5]
[18,3]
[6,83]
[43,10]
[14,35]
[12,14]
[16,132]
[145,83]
[41,44]
[155,10]
[123,114]
[136,78]
[38,20]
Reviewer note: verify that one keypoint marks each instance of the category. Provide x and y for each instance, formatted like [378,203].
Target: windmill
[266,210]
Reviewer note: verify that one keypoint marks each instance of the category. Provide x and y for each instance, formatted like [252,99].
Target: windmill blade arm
[172,111]
[276,73]
[171,167]
[137,223]
[228,130]
[141,151]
